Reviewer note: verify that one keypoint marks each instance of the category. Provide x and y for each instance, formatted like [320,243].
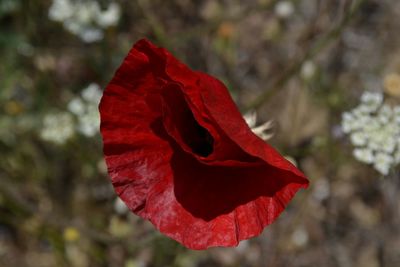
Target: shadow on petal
[210,191]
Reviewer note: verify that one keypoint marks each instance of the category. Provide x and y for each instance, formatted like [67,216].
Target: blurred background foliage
[298,63]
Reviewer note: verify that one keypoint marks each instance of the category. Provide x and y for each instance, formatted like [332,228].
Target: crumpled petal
[180,154]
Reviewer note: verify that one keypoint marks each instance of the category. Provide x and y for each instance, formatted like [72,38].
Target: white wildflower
[120,207]
[85,19]
[91,35]
[284,9]
[385,114]
[374,129]
[250,118]
[364,155]
[371,101]
[73,27]
[389,145]
[383,163]
[359,138]
[61,10]
[57,128]
[308,70]
[85,108]
[291,160]
[348,122]
[92,93]
[263,131]
[86,12]
[361,118]
[109,17]
[76,106]
[60,127]
[372,125]
[300,237]
[89,123]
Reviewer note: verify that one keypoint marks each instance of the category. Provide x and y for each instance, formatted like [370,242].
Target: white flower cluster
[85,19]
[374,129]
[57,127]
[83,117]
[85,108]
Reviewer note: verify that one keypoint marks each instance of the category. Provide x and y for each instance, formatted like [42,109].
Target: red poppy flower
[180,154]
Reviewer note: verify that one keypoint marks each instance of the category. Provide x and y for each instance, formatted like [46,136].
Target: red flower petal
[180,154]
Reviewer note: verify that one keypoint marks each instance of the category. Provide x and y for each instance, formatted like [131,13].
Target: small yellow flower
[71,234]
[13,108]
[119,227]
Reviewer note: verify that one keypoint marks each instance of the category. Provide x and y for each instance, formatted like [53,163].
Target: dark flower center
[199,139]
[181,124]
